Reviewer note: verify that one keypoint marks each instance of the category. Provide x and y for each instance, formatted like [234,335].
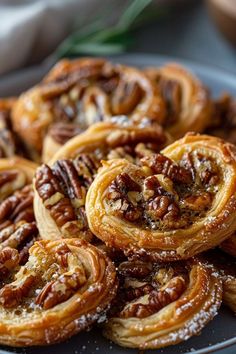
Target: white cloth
[31,29]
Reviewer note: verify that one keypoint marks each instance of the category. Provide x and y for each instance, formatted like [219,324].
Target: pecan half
[162,207]
[204,171]
[86,166]
[161,164]
[118,194]
[9,259]
[15,236]
[52,194]
[197,202]
[67,175]
[157,299]
[61,289]
[17,207]
[58,291]
[12,294]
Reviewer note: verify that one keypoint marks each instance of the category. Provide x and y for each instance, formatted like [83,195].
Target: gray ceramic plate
[220,335]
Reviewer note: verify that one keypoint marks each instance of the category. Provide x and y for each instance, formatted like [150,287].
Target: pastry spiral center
[171,196]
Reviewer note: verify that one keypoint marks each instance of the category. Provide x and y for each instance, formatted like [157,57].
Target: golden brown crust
[73,168]
[174,305]
[62,289]
[101,88]
[189,107]
[178,206]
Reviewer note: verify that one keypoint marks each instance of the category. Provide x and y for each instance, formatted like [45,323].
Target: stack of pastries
[117,206]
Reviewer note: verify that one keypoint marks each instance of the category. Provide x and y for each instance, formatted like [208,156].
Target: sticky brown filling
[146,288]
[89,96]
[174,195]
[64,186]
[51,279]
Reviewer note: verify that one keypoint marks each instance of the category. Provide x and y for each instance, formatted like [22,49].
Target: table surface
[188,33]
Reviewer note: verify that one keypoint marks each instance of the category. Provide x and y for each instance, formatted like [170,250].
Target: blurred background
[33,31]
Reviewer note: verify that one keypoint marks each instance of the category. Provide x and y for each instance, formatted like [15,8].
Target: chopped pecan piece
[60,290]
[161,164]
[204,171]
[152,188]
[157,299]
[12,294]
[118,195]
[62,253]
[197,202]
[52,194]
[162,207]
[9,259]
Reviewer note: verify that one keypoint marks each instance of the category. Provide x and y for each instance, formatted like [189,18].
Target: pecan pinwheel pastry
[225,265]
[173,205]
[188,102]
[162,304]
[223,119]
[84,92]
[17,223]
[62,289]
[61,186]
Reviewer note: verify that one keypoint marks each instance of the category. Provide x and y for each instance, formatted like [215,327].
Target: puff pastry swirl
[175,205]
[62,289]
[162,304]
[61,186]
[188,103]
[85,91]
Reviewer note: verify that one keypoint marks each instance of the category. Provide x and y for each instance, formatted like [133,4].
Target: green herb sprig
[99,39]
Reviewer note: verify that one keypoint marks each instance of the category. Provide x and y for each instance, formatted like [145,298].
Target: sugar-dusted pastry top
[61,186]
[165,206]
[162,304]
[64,287]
